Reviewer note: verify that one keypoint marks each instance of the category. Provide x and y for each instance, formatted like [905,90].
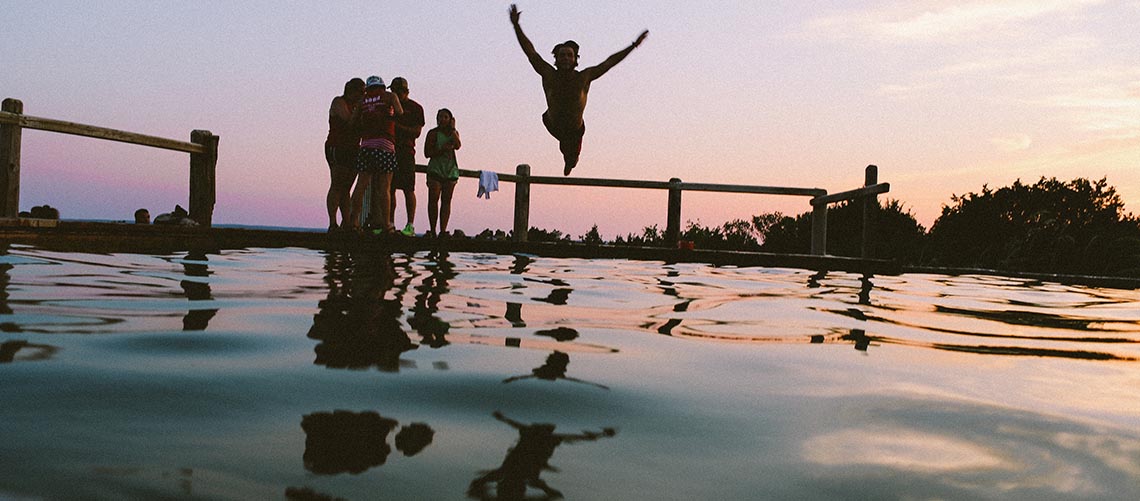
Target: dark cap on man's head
[399,83]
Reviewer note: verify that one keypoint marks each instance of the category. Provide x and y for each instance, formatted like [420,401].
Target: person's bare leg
[332,203]
[410,205]
[433,204]
[392,206]
[363,183]
[445,205]
[340,194]
[570,151]
[383,189]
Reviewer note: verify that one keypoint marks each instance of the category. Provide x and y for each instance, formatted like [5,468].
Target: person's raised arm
[413,130]
[594,72]
[540,66]
[395,102]
[454,138]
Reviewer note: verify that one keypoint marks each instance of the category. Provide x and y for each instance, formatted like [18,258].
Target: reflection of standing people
[430,327]
[357,328]
[345,442]
[526,461]
[443,169]
[566,88]
[377,157]
[341,149]
[408,129]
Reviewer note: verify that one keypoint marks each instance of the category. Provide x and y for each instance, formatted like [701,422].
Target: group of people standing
[371,144]
[373,132]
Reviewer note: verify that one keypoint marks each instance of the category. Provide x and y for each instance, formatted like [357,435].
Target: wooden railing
[203,150]
[819,199]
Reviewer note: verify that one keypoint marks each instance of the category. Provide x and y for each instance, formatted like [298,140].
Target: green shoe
[409,230]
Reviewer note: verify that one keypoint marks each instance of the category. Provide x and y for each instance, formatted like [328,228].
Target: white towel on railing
[488,182]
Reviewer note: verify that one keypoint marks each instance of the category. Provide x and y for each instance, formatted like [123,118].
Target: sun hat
[374,81]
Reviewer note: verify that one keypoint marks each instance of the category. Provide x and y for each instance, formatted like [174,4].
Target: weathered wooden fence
[203,150]
[819,199]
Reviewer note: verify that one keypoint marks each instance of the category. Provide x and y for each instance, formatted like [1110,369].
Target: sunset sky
[944,96]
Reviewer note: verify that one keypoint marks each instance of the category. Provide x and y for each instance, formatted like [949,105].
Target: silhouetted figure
[142,216]
[341,148]
[442,173]
[345,442]
[526,461]
[42,212]
[376,159]
[553,370]
[176,217]
[566,88]
[408,129]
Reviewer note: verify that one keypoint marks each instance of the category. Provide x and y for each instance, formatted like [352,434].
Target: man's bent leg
[571,150]
[569,140]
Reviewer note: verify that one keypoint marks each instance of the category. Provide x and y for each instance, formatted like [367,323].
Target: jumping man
[566,88]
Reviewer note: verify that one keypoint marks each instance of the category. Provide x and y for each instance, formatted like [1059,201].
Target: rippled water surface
[299,374]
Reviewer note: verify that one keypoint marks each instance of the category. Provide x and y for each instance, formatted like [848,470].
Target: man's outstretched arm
[596,71]
[540,66]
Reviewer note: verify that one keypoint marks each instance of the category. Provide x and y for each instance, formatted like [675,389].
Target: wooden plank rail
[202,147]
[819,198]
[50,125]
[203,150]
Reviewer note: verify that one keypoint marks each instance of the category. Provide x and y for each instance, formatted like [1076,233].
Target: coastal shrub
[739,235]
[1051,226]
[541,235]
[894,234]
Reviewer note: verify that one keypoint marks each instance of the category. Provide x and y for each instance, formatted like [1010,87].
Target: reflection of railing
[819,198]
[203,150]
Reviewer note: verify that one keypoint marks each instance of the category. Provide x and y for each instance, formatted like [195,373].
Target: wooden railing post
[819,228]
[673,220]
[202,177]
[870,178]
[522,202]
[10,135]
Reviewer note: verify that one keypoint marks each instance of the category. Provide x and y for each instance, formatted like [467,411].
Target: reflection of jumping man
[554,369]
[566,88]
[527,460]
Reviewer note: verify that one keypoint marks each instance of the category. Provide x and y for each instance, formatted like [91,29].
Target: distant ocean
[240,226]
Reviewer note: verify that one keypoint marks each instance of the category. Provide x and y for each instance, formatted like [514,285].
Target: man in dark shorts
[408,129]
[566,89]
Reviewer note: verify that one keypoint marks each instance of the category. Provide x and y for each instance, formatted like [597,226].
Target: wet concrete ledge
[111,238]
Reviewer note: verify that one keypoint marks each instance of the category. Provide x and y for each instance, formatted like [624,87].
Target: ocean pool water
[303,374]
